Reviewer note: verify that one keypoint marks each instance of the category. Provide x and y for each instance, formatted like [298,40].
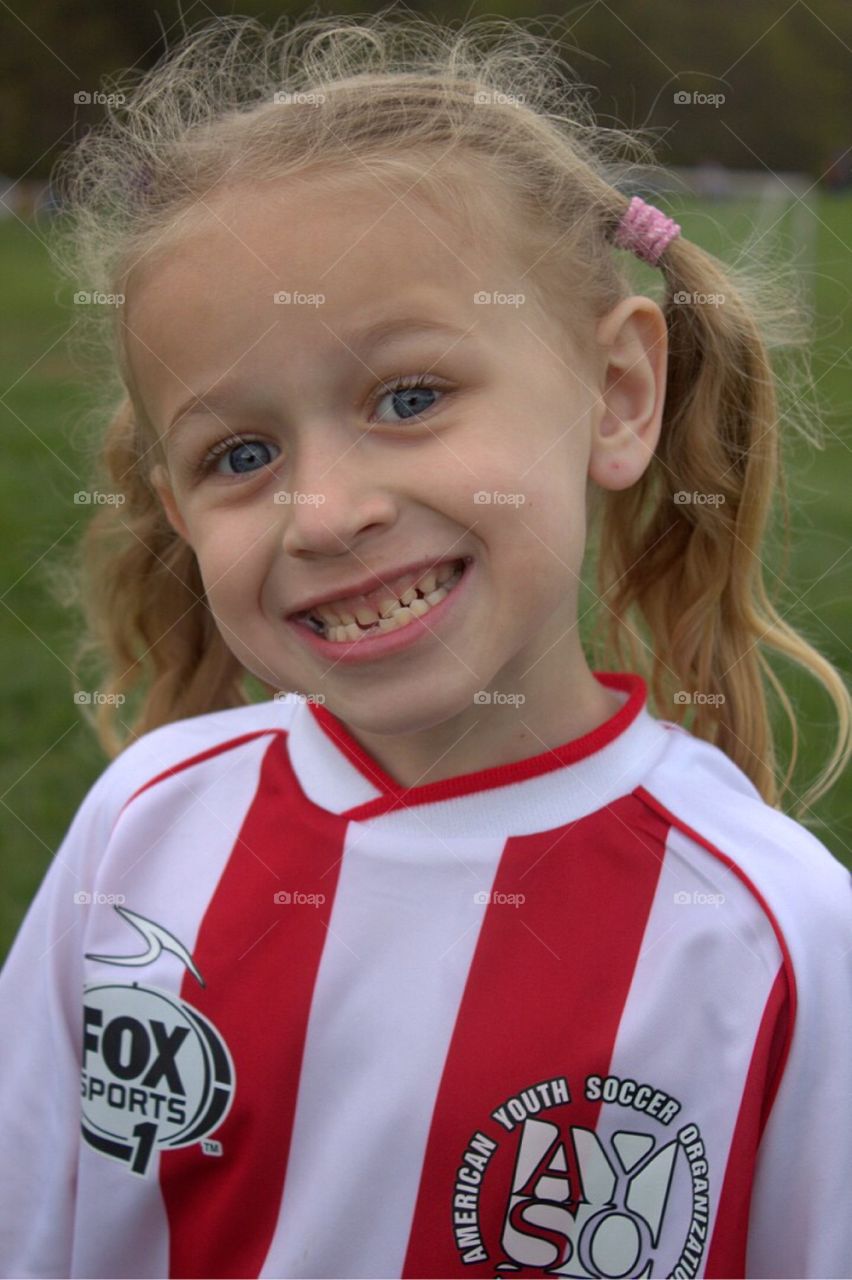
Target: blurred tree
[784,71]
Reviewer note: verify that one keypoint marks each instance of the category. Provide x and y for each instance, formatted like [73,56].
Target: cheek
[230,558]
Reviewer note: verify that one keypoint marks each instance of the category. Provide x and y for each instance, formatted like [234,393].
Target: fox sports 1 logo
[156,1073]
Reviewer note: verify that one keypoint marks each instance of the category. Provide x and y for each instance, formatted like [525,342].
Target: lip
[384,646]
[373,582]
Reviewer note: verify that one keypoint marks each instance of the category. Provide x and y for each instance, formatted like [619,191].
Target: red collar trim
[498,775]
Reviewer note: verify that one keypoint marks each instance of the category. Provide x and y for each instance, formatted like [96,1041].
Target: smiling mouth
[417,596]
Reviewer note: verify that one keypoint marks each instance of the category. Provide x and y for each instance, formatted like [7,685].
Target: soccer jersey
[588,1014]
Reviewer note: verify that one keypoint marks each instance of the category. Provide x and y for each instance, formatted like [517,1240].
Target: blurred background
[750,109]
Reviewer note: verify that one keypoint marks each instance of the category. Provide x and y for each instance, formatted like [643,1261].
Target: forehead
[353,247]
[204,299]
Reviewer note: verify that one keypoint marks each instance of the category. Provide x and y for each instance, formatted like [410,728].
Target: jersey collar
[542,791]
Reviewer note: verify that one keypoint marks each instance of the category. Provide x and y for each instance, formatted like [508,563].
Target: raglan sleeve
[40,1026]
[799,1220]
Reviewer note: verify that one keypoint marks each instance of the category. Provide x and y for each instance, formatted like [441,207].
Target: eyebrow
[384,333]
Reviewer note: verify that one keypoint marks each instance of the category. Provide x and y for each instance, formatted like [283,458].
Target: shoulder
[185,744]
[720,820]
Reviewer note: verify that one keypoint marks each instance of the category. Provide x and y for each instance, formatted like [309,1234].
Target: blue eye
[407,395]
[245,452]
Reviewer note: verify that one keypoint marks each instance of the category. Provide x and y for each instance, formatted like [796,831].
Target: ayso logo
[580,1203]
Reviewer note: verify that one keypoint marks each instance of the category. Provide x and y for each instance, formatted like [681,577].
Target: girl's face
[345,479]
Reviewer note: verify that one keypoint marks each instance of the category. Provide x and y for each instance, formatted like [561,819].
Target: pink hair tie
[645,231]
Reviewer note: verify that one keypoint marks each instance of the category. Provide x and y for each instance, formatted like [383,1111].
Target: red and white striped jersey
[270,1014]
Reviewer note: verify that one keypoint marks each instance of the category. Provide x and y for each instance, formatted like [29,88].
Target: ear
[162,486]
[628,417]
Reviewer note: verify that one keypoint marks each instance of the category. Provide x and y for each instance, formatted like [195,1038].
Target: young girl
[453,959]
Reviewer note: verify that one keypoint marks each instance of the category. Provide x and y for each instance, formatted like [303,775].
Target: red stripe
[544,998]
[395,797]
[260,961]
[726,1255]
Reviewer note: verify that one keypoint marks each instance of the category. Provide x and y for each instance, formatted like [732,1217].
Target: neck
[486,735]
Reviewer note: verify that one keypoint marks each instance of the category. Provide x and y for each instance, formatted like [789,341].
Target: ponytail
[685,545]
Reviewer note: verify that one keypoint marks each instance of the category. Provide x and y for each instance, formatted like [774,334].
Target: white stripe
[166,856]
[803,1160]
[401,936]
[690,1021]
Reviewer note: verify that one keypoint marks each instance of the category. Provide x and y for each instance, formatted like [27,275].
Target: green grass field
[51,759]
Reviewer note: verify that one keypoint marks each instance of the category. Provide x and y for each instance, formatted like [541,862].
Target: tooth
[407,596]
[400,618]
[398,615]
[388,604]
[443,572]
[427,583]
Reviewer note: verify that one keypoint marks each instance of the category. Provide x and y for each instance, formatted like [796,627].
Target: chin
[402,721]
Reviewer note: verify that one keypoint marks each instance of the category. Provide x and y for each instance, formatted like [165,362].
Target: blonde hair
[403,98]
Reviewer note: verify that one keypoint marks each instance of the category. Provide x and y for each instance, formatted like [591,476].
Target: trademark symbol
[211,1147]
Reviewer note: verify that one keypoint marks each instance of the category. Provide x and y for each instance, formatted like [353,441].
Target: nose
[333,500]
